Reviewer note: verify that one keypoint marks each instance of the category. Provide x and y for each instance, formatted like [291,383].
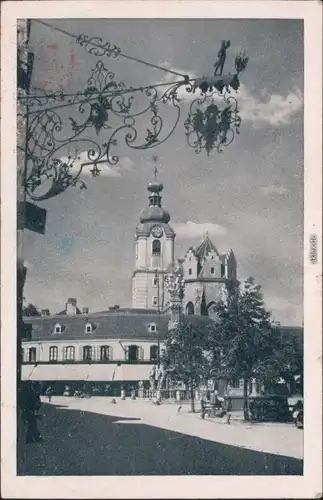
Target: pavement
[278,438]
[95,437]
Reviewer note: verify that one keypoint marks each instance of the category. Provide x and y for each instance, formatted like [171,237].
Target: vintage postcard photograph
[161,249]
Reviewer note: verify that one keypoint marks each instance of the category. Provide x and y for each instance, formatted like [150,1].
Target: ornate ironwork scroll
[209,124]
[97,46]
[60,144]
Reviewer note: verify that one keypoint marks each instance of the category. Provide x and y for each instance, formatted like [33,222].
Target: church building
[121,346]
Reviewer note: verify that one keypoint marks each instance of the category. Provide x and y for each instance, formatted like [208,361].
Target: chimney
[85,310]
[71,307]
[45,312]
[116,307]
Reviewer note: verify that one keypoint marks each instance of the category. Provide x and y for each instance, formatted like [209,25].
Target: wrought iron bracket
[58,148]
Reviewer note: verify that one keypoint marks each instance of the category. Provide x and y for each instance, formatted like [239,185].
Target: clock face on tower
[157,231]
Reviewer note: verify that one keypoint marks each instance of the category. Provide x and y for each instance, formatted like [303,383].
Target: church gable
[190,265]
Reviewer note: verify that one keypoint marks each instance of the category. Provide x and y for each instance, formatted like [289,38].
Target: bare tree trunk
[245,399]
[192,396]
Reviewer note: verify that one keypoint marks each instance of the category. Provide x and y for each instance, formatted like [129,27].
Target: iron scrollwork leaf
[97,46]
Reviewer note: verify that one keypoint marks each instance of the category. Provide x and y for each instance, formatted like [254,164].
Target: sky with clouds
[249,198]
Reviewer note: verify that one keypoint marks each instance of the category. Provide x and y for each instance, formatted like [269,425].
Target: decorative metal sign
[59,146]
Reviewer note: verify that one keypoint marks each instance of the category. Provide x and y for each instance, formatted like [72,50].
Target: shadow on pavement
[83,443]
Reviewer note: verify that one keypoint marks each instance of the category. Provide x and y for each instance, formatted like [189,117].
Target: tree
[184,355]
[289,359]
[242,341]
[31,310]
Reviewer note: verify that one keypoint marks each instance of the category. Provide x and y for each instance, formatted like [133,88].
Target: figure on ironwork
[222,55]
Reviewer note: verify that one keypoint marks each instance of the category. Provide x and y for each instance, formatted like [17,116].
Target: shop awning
[95,373]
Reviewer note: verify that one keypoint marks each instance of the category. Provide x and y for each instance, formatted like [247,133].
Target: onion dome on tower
[154,213]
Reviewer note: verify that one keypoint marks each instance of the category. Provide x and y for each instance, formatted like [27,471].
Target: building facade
[122,346]
[111,347]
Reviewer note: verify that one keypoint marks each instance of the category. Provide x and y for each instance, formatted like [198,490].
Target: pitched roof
[110,325]
[122,324]
[205,248]
[127,324]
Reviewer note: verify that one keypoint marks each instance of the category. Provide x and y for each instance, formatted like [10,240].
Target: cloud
[275,109]
[124,165]
[274,189]
[192,229]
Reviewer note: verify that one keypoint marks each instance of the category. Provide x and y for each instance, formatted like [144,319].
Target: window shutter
[96,352]
[141,353]
[110,352]
[126,353]
[80,352]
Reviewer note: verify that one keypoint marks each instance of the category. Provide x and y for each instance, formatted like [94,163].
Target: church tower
[154,243]
[207,275]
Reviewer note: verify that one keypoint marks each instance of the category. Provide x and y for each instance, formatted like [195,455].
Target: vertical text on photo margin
[313,249]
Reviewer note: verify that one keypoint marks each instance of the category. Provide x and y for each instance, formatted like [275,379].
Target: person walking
[49,392]
[202,408]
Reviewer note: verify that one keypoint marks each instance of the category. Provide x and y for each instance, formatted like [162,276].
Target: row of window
[132,353]
[212,270]
[89,328]
[58,329]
